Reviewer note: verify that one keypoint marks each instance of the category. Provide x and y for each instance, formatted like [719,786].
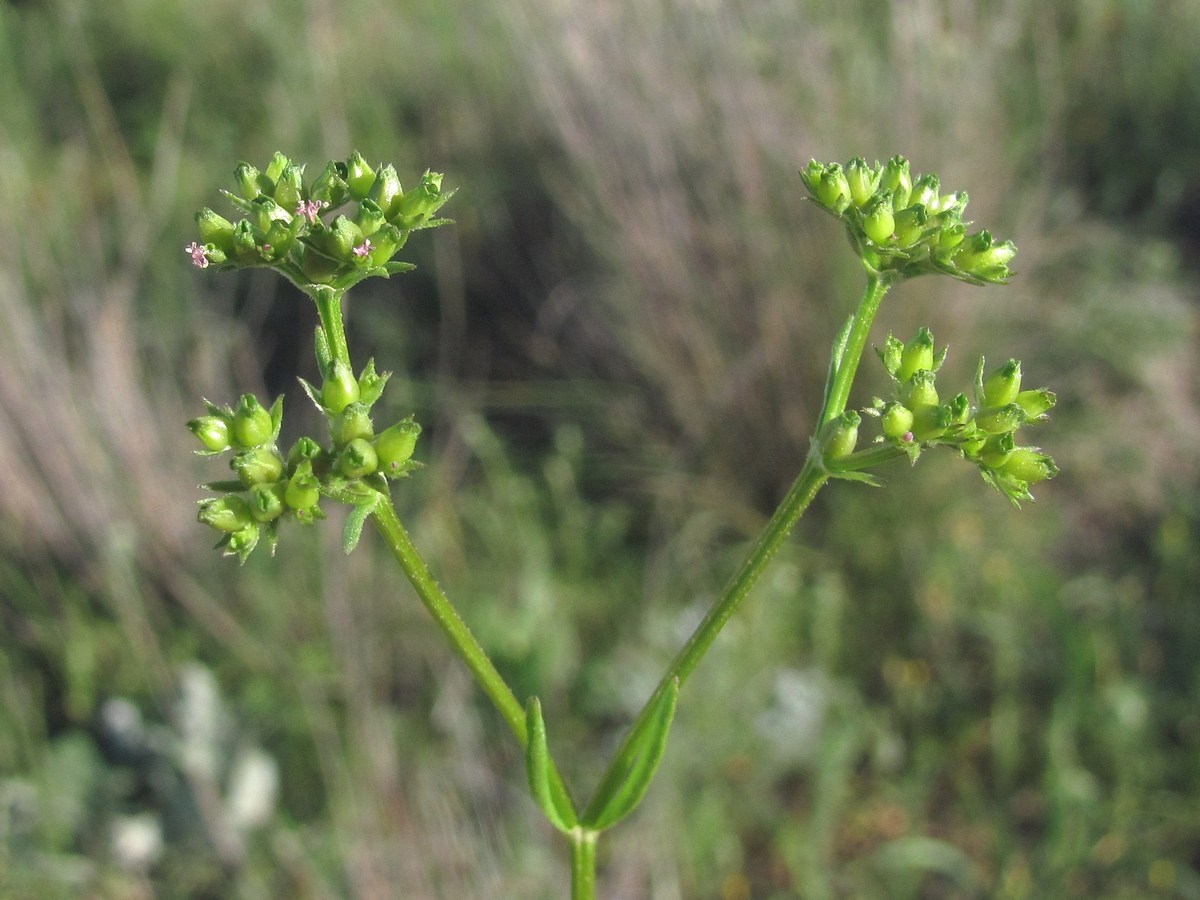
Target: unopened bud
[266,501]
[862,180]
[878,220]
[395,446]
[259,466]
[359,176]
[920,391]
[252,425]
[351,423]
[1036,403]
[358,458]
[917,354]
[340,388]
[213,432]
[896,422]
[840,435]
[226,514]
[896,179]
[1029,465]
[1002,386]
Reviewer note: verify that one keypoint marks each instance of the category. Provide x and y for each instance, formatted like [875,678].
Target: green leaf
[629,776]
[352,531]
[554,804]
[835,360]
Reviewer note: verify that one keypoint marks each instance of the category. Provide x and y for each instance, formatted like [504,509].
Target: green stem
[811,479]
[448,619]
[453,626]
[583,863]
[329,308]
[845,366]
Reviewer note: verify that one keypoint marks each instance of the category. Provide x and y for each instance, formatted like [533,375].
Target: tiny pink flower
[364,248]
[198,253]
[309,209]
[907,437]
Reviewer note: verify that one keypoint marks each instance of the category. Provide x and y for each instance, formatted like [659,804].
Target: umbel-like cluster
[901,226]
[295,228]
[291,226]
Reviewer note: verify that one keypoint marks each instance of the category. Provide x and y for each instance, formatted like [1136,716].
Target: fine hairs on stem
[347,224]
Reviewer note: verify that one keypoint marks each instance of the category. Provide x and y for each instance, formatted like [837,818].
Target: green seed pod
[303,451]
[303,489]
[260,466]
[1036,403]
[369,218]
[960,409]
[339,239]
[981,257]
[216,230]
[931,422]
[351,423]
[925,193]
[213,432]
[358,458]
[266,501]
[1002,386]
[386,192]
[863,180]
[833,192]
[252,425]
[340,388]
[999,419]
[917,354]
[395,446]
[896,422]
[359,176]
[276,167]
[911,224]
[996,450]
[840,435]
[920,391]
[330,186]
[226,514]
[1029,465]
[896,179]
[878,221]
[289,187]
[250,182]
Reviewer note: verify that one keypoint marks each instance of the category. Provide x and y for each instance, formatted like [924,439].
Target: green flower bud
[386,192]
[385,242]
[395,447]
[245,242]
[351,423]
[931,422]
[226,514]
[358,458]
[330,186]
[259,466]
[925,193]
[213,432]
[242,542]
[339,240]
[917,354]
[289,188]
[840,435]
[896,180]
[878,221]
[266,501]
[999,419]
[1029,465]
[419,203]
[317,267]
[920,391]
[996,450]
[960,409]
[250,182]
[340,388]
[303,451]
[862,179]
[216,230]
[833,192]
[1037,402]
[982,258]
[1001,387]
[369,218]
[252,425]
[276,167]
[303,489]
[359,176]
[265,212]
[911,225]
[896,422]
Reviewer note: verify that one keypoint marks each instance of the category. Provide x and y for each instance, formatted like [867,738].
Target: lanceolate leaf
[628,778]
[556,807]
[354,523]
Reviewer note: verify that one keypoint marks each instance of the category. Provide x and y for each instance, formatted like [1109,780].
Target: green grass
[616,352]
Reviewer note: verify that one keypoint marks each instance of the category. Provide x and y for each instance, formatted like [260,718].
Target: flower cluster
[901,226]
[983,431]
[292,227]
[271,486]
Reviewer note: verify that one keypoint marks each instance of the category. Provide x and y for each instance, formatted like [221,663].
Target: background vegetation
[617,353]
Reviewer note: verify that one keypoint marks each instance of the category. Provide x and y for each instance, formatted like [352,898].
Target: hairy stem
[845,367]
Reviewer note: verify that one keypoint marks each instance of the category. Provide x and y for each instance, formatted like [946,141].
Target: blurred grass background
[617,352]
